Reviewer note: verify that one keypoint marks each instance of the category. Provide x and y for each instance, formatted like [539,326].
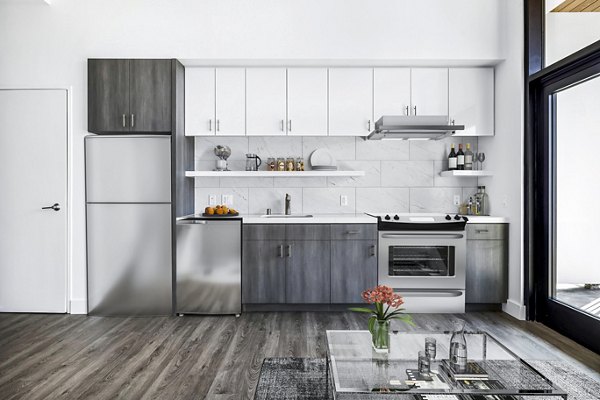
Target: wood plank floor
[73,356]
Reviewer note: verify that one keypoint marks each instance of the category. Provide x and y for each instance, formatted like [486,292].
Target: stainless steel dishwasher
[209,266]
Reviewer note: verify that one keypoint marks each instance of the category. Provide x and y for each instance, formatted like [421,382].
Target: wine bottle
[469,158]
[460,158]
[452,159]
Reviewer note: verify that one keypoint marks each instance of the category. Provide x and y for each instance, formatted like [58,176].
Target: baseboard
[78,306]
[515,309]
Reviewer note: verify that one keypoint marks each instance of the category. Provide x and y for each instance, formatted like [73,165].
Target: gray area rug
[305,378]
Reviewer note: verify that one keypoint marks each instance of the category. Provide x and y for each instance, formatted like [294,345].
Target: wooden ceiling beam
[578,6]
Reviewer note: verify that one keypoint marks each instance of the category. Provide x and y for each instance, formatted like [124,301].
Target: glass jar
[289,165]
[380,335]
[458,351]
[481,199]
[300,164]
[272,164]
[280,164]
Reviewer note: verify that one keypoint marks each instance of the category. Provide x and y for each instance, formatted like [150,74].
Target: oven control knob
[448,217]
[387,217]
[457,217]
[396,217]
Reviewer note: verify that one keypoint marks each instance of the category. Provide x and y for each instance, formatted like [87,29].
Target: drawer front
[354,231]
[487,231]
[263,232]
[307,232]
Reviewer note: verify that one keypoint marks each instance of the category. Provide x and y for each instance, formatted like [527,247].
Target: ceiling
[578,6]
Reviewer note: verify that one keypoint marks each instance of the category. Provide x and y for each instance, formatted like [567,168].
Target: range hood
[413,127]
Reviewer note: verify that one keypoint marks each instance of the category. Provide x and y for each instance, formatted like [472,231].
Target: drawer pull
[372,253]
[280,251]
[481,231]
[289,251]
[352,232]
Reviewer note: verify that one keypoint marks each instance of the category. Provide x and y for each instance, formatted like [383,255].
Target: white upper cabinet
[200,101]
[350,101]
[307,101]
[471,93]
[391,89]
[429,91]
[231,102]
[266,101]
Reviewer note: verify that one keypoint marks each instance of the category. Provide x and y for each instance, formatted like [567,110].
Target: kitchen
[268,161]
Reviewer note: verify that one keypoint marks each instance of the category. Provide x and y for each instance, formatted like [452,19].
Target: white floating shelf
[271,174]
[466,173]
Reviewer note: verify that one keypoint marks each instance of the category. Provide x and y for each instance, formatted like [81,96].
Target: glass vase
[381,336]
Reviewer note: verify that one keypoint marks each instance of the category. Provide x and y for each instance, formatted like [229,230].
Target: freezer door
[129,259]
[209,267]
[128,169]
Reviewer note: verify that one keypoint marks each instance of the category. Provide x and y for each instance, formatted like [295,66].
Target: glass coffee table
[356,372]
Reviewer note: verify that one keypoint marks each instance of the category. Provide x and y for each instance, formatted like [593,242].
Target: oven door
[422,260]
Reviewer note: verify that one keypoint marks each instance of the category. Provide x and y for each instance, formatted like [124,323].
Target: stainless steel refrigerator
[129,238]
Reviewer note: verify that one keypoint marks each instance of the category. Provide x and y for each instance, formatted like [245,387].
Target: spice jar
[299,164]
[272,164]
[289,164]
[280,164]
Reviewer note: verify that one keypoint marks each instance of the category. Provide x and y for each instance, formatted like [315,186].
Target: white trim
[515,309]
[78,306]
[337,62]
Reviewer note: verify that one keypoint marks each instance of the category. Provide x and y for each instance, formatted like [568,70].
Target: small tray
[220,215]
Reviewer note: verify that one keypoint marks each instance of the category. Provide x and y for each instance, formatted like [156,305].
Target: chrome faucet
[288,205]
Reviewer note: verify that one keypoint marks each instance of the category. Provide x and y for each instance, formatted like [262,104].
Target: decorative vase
[381,336]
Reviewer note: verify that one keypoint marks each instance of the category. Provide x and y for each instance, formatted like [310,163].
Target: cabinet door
[353,269]
[307,101]
[391,90]
[429,91]
[350,101]
[265,101]
[150,95]
[487,271]
[263,272]
[308,272]
[108,95]
[200,101]
[231,101]
[471,100]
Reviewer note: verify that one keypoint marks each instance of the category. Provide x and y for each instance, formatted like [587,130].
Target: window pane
[577,278]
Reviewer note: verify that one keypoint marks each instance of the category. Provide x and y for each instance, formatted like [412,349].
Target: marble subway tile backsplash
[400,176]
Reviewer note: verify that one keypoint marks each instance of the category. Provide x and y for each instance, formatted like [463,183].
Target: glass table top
[358,372]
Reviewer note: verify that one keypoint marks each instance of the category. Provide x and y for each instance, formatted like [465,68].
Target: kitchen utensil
[223,152]
[321,157]
[252,162]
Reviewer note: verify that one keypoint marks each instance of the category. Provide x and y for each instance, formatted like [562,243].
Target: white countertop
[350,219]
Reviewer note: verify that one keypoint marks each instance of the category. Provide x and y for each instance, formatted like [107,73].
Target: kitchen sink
[287,216]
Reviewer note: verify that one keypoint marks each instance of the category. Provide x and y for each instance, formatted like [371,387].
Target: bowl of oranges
[219,211]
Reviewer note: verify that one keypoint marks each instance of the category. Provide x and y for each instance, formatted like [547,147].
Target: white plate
[322,157]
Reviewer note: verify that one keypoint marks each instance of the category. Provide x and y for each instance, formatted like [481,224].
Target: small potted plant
[387,307]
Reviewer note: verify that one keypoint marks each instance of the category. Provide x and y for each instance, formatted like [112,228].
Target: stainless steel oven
[424,259]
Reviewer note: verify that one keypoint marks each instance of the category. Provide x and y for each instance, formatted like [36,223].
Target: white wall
[504,152]
[568,32]
[43,45]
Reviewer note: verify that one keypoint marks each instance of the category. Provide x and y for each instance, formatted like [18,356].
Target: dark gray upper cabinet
[108,96]
[487,263]
[353,269]
[308,271]
[263,272]
[129,96]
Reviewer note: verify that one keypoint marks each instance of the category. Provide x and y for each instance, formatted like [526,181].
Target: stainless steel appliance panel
[128,169]
[209,266]
[129,259]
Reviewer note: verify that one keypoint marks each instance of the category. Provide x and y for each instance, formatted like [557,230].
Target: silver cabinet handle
[289,251]
[481,230]
[218,125]
[372,252]
[415,108]
[407,111]
[132,120]
[124,121]
[369,125]
[282,125]
[210,125]
[352,232]
[290,125]
[280,254]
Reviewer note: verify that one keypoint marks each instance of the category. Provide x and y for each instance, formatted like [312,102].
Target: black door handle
[55,207]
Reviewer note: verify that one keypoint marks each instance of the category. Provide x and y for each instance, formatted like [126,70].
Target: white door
[429,91]
[471,100]
[200,101]
[33,174]
[391,90]
[266,101]
[231,101]
[350,101]
[307,101]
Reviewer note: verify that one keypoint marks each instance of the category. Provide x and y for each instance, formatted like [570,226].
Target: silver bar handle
[289,251]
[132,120]
[290,125]
[282,125]
[124,121]
[407,110]
[422,236]
[280,253]
[433,293]
[352,232]
[372,251]
[415,109]
[369,125]
[210,125]
[481,230]
[218,125]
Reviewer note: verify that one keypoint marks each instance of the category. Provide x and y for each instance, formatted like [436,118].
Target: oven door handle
[422,236]
[433,293]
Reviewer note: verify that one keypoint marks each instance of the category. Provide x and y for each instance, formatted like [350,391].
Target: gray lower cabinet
[308,271]
[487,263]
[263,272]
[353,269]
